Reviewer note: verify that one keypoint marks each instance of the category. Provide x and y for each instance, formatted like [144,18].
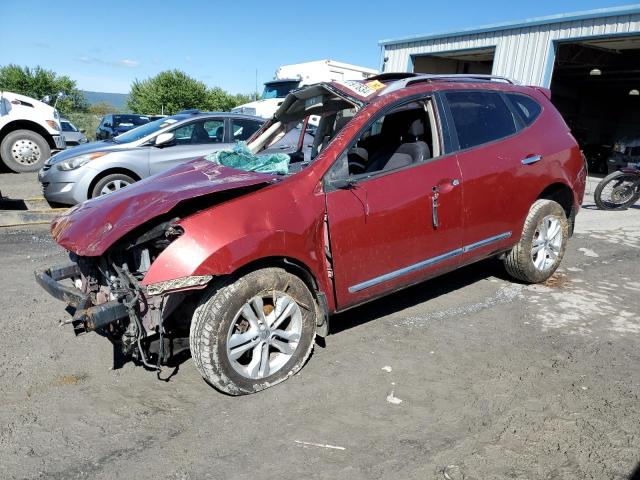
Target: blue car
[113,125]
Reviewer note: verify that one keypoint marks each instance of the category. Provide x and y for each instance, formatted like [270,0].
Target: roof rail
[458,77]
[192,111]
[386,77]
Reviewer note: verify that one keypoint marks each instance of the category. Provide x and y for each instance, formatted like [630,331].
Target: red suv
[407,177]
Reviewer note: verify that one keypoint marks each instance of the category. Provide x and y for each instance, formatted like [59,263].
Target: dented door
[384,234]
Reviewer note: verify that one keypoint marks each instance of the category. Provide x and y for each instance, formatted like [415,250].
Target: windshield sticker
[360,89]
[375,84]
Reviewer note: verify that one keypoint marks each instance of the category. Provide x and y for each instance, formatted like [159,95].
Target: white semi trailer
[289,77]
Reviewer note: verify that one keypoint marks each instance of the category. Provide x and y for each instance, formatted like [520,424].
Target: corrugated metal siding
[524,54]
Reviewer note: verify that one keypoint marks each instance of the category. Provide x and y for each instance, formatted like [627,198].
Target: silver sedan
[99,168]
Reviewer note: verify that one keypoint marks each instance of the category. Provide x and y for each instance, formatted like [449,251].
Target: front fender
[208,254]
[284,221]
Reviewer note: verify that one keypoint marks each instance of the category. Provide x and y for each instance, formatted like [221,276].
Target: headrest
[416,129]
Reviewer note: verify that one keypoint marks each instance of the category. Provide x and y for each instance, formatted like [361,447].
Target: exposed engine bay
[131,316]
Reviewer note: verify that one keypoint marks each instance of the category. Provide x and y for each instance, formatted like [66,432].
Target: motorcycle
[618,190]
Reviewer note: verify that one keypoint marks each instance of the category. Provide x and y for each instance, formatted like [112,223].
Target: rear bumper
[86,317]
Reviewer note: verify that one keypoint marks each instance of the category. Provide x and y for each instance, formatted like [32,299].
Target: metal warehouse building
[590,61]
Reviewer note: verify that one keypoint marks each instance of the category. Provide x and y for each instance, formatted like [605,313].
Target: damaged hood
[90,228]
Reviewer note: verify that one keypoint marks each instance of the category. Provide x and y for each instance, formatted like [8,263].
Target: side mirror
[164,138]
[82,130]
[45,99]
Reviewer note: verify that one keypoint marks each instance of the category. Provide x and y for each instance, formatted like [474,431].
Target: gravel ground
[468,376]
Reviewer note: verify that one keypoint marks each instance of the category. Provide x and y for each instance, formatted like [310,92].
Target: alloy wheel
[547,243]
[112,186]
[264,334]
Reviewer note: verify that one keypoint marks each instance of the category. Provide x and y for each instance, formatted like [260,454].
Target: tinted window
[200,132]
[480,117]
[243,129]
[528,108]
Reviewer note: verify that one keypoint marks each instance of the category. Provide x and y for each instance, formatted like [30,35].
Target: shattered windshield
[240,157]
[304,126]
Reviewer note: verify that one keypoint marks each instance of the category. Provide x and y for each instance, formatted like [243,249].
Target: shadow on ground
[409,297]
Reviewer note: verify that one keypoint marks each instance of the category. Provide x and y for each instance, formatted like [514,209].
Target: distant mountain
[118,100]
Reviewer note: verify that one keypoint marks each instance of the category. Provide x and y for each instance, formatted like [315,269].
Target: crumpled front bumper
[86,316]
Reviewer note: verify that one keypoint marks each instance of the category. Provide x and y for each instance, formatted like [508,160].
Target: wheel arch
[110,171]
[27,125]
[302,271]
[562,194]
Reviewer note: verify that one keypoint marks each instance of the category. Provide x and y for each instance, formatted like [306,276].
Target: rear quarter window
[526,106]
[480,117]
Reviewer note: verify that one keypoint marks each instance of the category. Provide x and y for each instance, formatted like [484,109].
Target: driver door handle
[531,159]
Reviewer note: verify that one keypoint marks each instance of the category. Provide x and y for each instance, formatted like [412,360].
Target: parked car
[410,176]
[99,168]
[71,134]
[114,125]
[626,153]
[29,132]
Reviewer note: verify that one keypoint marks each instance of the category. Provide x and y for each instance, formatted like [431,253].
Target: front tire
[24,151]
[541,248]
[111,183]
[254,332]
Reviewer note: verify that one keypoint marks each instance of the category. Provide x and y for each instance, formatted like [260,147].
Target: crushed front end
[104,295]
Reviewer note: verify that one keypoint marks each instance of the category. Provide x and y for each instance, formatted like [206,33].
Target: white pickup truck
[29,131]
[290,77]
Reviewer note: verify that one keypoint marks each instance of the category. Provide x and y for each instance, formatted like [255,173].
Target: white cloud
[126,62]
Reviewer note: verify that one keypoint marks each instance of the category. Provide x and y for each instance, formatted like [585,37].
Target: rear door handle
[531,160]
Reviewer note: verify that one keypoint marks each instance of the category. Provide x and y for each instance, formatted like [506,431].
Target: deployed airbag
[240,157]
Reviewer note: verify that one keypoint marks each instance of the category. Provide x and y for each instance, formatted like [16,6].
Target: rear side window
[527,107]
[480,117]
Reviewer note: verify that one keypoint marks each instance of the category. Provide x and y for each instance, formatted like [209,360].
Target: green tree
[173,90]
[102,108]
[168,93]
[38,82]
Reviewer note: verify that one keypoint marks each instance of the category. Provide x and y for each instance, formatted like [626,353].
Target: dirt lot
[497,380]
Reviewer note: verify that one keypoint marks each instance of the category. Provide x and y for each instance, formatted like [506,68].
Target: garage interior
[595,85]
[478,61]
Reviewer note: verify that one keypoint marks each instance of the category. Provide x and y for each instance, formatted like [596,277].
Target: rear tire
[111,183]
[24,151]
[254,332]
[541,248]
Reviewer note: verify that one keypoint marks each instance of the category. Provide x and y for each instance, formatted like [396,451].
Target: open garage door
[478,61]
[595,86]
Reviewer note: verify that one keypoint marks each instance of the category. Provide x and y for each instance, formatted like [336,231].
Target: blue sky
[105,45]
